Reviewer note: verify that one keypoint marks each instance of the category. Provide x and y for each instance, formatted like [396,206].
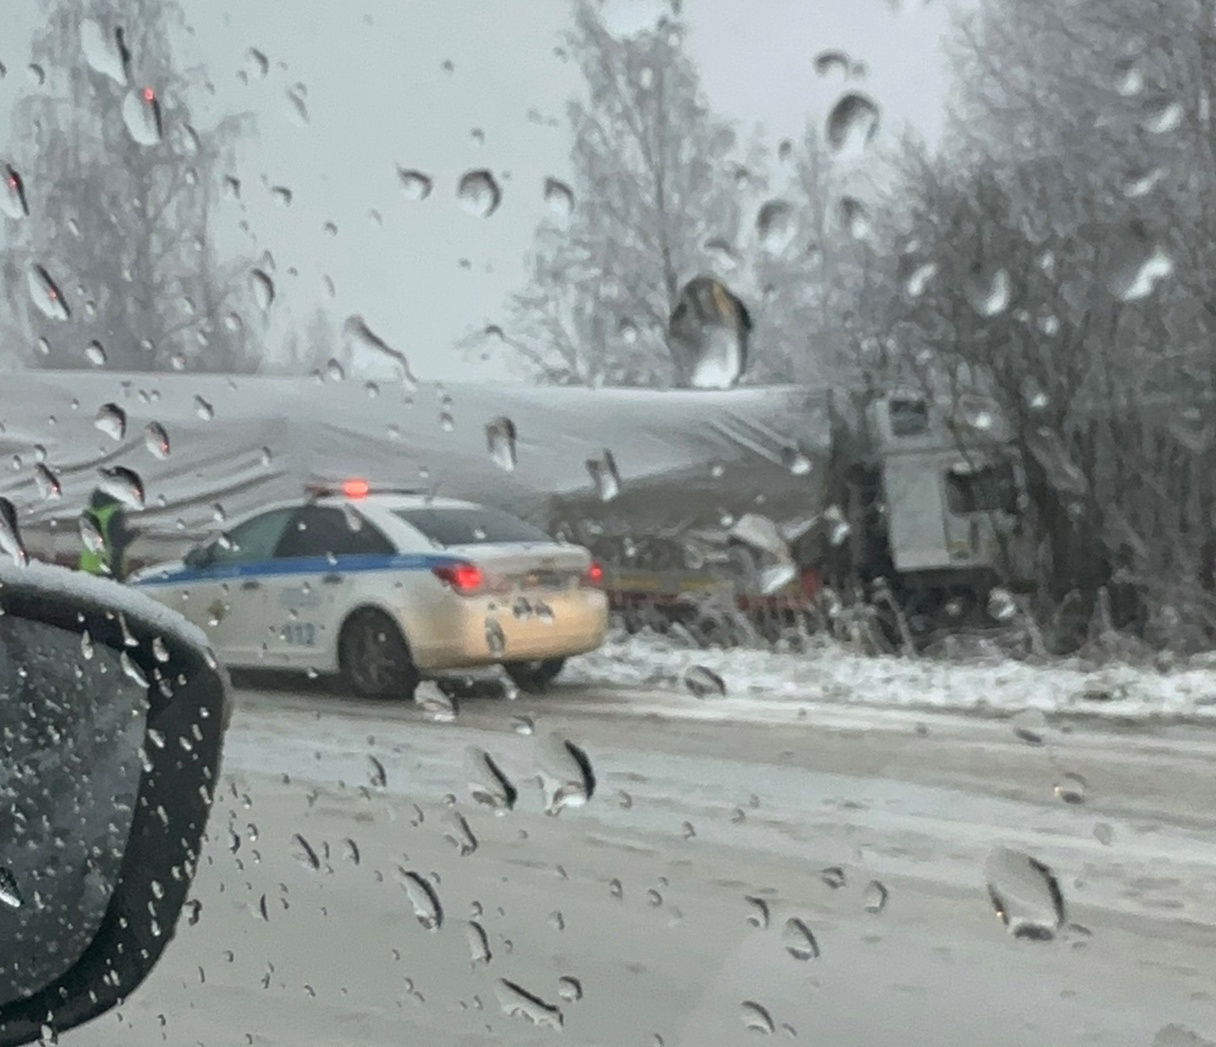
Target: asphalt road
[627,920]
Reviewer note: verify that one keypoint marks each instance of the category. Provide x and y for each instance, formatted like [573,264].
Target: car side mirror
[112,716]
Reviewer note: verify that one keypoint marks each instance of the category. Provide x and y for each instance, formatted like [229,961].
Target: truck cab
[949,495]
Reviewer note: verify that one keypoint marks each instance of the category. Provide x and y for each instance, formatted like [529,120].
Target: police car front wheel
[374,658]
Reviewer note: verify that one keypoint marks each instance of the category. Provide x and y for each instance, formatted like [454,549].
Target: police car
[384,587]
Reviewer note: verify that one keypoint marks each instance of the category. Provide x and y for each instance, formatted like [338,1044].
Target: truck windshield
[990,488]
[471,526]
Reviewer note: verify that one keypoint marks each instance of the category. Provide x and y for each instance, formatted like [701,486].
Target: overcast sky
[378,97]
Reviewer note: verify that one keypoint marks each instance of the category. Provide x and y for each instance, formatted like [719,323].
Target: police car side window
[254,539]
[318,531]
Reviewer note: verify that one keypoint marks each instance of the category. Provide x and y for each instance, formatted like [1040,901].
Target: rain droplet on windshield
[833,876]
[488,784]
[10,893]
[90,536]
[458,833]
[757,912]
[297,107]
[12,193]
[111,420]
[704,682]
[515,1000]
[478,193]
[708,333]
[48,483]
[833,63]
[259,62]
[47,297]
[798,940]
[569,989]
[605,476]
[756,1018]
[918,278]
[436,705]
[142,115]
[10,536]
[281,195]
[359,336]
[479,943]
[377,775]
[795,461]
[105,51]
[500,439]
[721,251]
[776,225]
[1031,726]
[414,184]
[875,897]
[95,353]
[1071,788]
[124,484]
[496,638]
[262,287]
[854,217]
[852,124]
[559,197]
[427,909]
[156,440]
[132,670]
[1001,605]
[304,853]
[988,290]
[565,773]
[1137,264]
[1025,894]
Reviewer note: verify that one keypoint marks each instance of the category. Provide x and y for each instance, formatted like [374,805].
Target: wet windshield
[866,345]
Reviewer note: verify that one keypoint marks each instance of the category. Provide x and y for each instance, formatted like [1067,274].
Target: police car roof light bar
[357,488]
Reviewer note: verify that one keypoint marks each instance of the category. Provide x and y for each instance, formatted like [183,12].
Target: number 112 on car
[299,634]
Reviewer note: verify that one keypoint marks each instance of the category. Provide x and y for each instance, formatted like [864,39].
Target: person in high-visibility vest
[107,515]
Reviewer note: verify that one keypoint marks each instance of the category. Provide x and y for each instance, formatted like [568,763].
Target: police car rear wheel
[374,657]
[534,677]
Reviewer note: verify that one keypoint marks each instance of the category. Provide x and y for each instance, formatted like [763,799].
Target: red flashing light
[594,574]
[465,578]
[356,488]
[149,95]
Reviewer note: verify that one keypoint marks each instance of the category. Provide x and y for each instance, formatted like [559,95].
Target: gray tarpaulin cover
[684,458]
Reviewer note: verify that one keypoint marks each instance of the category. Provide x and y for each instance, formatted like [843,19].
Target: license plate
[544,580]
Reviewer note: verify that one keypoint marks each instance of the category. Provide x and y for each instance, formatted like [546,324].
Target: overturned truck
[764,498]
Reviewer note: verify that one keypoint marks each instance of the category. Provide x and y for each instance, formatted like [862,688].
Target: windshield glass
[840,375]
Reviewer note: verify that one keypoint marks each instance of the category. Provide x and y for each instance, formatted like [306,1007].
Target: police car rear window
[480,526]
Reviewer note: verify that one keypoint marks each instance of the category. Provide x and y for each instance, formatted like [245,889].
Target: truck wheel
[534,677]
[374,658]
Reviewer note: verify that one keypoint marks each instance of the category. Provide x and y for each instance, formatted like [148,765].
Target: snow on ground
[831,675]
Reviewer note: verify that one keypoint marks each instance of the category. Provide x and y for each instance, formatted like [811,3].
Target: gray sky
[378,97]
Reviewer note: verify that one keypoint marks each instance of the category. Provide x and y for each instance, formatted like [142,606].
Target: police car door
[312,589]
[228,594]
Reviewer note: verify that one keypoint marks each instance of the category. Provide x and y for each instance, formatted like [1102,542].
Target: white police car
[385,587]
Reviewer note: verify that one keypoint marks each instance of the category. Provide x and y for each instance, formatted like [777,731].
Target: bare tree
[1069,228]
[654,182]
[120,184]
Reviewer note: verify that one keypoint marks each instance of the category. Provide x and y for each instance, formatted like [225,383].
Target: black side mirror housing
[112,716]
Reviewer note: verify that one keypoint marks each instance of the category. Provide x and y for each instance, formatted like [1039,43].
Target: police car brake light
[464,578]
[356,488]
[594,575]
